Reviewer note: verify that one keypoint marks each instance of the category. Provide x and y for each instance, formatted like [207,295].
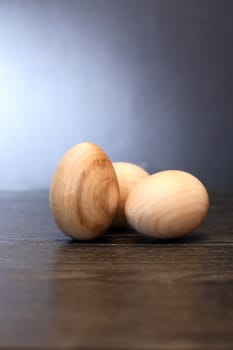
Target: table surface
[122,291]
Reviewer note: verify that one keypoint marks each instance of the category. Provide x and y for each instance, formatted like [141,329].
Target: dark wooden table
[123,291]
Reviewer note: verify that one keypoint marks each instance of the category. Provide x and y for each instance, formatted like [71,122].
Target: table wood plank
[122,291]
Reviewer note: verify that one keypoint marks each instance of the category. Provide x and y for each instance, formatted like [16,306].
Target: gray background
[149,81]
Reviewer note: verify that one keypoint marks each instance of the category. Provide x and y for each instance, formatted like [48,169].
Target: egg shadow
[195,237]
[129,236]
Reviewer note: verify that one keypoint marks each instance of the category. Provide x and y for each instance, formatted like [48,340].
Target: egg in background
[128,175]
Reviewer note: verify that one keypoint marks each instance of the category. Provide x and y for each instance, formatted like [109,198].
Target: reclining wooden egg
[168,204]
[84,194]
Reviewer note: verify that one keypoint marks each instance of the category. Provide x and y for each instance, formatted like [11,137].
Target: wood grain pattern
[84,194]
[167,204]
[121,291]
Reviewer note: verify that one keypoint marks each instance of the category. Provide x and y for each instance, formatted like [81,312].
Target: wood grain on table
[122,291]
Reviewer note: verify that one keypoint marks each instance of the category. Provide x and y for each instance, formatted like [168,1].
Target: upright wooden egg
[128,175]
[84,194]
[168,204]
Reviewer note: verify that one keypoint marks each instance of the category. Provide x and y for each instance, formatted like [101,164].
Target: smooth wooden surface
[84,193]
[168,204]
[128,176]
[123,291]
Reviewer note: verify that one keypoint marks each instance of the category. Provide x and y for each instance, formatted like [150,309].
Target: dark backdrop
[150,81]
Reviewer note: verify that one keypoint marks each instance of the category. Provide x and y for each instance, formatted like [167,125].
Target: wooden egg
[128,175]
[168,204]
[84,194]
